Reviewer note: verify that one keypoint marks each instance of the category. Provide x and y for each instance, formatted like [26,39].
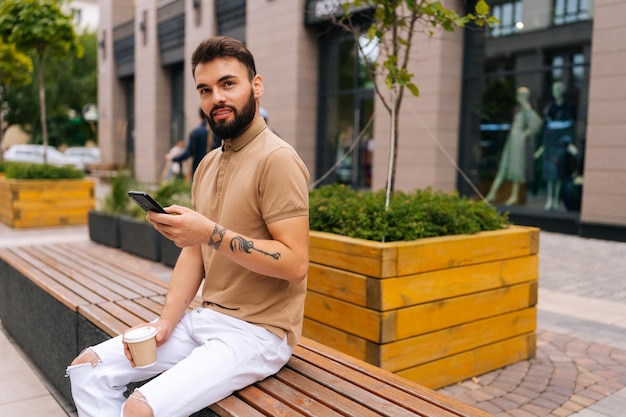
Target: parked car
[34,154]
[88,155]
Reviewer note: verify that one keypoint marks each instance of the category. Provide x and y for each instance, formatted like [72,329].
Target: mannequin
[558,133]
[526,122]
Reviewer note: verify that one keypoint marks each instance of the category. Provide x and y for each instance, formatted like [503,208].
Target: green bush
[423,213]
[30,171]
[118,202]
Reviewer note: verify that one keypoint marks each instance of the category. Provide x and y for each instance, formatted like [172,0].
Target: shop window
[231,18]
[570,11]
[344,148]
[509,15]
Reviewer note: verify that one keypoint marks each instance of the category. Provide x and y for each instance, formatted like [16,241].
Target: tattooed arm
[285,256]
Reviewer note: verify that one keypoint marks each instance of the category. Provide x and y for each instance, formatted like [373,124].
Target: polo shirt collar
[248,135]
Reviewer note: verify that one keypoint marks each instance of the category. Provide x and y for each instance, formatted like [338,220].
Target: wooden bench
[57,299]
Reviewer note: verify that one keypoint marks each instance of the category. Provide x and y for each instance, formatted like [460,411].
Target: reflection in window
[578,69]
[510,17]
[557,67]
[569,11]
[368,52]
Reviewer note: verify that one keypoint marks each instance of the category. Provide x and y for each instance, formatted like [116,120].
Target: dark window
[509,15]
[231,18]
[570,11]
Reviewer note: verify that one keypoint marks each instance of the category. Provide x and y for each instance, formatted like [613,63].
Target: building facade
[466,131]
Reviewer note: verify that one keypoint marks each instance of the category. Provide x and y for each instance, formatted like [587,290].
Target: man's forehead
[216,69]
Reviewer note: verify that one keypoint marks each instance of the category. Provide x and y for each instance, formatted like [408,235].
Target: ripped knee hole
[87,356]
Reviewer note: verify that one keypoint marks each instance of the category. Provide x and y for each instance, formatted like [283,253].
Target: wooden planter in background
[37,203]
[436,311]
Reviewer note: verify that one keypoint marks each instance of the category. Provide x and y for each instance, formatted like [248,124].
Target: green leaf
[482,8]
[413,89]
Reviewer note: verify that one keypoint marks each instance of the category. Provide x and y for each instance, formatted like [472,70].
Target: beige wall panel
[111,104]
[606,158]
[607,134]
[286,57]
[604,208]
[199,25]
[606,149]
[152,99]
[605,182]
[609,110]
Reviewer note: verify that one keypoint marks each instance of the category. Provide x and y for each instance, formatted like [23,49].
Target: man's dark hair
[223,46]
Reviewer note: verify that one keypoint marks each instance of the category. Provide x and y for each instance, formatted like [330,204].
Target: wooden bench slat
[233,406]
[355,387]
[80,274]
[150,304]
[296,399]
[413,389]
[330,398]
[105,320]
[70,298]
[138,310]
[117,260]
[118,276]
[266,404]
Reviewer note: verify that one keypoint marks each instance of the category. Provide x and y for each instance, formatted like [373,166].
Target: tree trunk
[42,105]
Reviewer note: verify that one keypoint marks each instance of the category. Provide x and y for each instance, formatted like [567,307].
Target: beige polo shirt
[253,180]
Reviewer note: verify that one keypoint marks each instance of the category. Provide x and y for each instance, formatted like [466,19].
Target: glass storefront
[346,107]
[525,105]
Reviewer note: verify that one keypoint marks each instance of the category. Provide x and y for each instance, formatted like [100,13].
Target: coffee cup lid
[140,334]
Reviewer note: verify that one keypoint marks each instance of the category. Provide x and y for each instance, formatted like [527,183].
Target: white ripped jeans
[208,356]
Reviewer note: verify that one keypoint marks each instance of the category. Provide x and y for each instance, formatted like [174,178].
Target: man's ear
[257,86]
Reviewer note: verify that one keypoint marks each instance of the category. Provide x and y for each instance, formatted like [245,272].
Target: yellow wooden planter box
[436,310]
[37,203]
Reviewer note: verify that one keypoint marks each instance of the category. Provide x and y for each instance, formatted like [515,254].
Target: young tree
[15,70]
[75,84]
[40,26]
[393,25]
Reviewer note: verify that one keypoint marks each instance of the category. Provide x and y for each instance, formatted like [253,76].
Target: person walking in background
[246,241]
[175,169]
[196,146]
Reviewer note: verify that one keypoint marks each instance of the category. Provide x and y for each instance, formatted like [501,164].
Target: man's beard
[229,130]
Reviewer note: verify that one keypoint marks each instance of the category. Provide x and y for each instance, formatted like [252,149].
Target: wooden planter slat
[383,327]
[474,362]
[38,203]
[428,347]
[408,306]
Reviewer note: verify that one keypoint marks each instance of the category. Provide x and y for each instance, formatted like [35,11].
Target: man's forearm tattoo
[217,236]
[242,245]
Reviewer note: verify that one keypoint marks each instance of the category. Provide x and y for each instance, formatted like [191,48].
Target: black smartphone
[145,201]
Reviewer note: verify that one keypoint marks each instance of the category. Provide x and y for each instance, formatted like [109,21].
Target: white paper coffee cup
[142,345]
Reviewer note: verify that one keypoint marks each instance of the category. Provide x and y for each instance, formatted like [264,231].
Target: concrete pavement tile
[19,380]
[517,398]
[591,413]
[537,410]
[582,400]
[521,413]
[560,412]
[572,406]
[489,407]
[44,405]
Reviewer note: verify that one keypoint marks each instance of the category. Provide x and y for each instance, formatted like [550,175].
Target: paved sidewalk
[580,366]
[579,369]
